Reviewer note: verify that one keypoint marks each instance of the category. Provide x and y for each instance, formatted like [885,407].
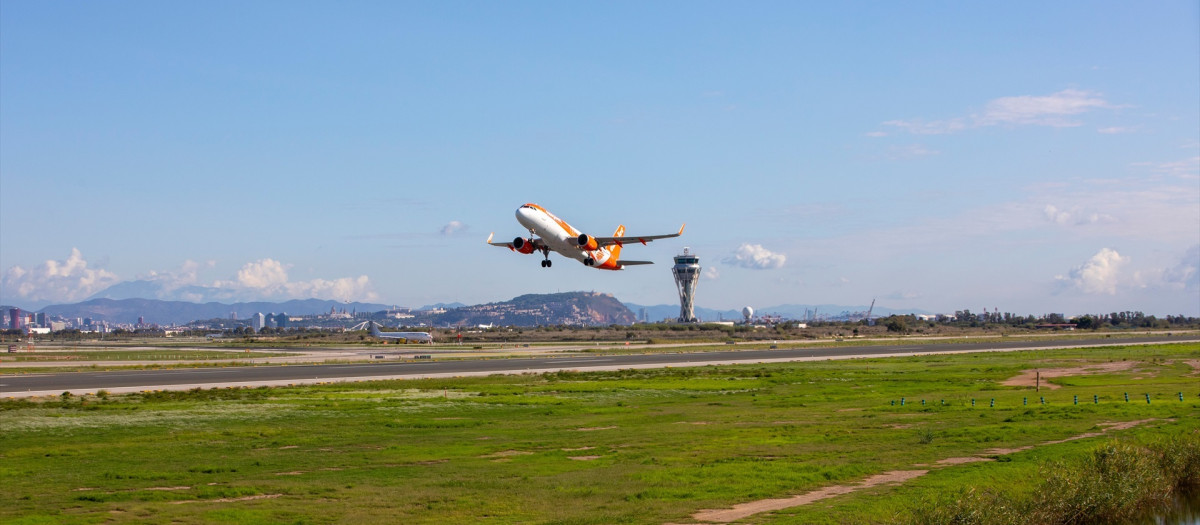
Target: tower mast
[687,275]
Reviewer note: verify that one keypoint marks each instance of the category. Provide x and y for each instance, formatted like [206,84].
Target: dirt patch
[575,449]
[292,473]
[693,423]
[168,488]
[228,500]
[589,429]
[508,454]
[899,426]
[1005,451]
[583,458]
[1029,377]
[1195,364]
[289,446]
[745,510]
[960,461]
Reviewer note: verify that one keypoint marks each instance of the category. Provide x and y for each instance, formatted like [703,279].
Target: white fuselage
[558,235]
[410,337]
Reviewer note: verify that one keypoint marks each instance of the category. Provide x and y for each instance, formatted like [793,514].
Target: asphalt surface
[183,378]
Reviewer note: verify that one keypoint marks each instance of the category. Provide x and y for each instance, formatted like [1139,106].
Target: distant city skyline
[931,156]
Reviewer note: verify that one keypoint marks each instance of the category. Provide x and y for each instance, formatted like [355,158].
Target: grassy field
[644,446]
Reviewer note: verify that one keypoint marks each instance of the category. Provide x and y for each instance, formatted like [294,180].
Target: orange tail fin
[615,250]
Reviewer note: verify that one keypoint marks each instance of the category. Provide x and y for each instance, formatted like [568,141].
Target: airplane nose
[523,215]
[522,219]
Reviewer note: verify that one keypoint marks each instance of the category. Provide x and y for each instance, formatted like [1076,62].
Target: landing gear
[589,262]
[546,263]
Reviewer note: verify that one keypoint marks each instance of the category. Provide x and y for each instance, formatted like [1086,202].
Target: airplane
[408,337]
[547,232]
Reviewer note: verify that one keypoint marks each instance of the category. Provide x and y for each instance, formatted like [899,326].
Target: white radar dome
[748,312]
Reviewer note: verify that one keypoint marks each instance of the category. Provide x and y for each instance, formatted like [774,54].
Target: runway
[26,385]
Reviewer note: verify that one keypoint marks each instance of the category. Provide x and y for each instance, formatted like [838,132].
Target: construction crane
[871,309]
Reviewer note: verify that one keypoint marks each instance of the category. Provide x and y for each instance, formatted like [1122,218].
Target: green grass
[633,446]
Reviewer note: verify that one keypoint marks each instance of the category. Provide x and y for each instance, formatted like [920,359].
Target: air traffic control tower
[687,274]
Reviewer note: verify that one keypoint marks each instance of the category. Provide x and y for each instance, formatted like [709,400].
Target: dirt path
[1195,364]
[1029,377]
[745,510]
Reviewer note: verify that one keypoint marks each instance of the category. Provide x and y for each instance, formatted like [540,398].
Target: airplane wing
[507,244]
[623,262]
[537,243]
[609,241]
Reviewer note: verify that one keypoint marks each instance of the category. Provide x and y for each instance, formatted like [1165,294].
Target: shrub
[1118,482]
[970,506]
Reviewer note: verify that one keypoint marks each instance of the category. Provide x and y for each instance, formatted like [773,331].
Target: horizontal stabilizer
[633,263]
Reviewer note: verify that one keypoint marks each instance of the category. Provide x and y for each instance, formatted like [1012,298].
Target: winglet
[493,234]
[681,229]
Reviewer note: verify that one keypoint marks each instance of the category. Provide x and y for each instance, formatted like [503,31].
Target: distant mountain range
[121,304]
[569,308]
[155,311]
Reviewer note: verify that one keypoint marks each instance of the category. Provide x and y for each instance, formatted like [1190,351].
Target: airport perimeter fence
[1041,400]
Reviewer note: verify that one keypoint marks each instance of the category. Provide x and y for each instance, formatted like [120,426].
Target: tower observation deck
[687,275]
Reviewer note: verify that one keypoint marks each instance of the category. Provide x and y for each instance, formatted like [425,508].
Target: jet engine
[587,242]
[523,245]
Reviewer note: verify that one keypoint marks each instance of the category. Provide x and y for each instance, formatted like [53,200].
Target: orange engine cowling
[523,245]
[587,242]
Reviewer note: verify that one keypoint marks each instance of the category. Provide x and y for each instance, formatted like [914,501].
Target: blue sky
[1035,157]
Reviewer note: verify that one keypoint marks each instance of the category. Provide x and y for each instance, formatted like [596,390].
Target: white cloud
[1052,110]
[712,273]
[1185,275]
[756,257]
[1099,275]
[936,127]
[345,289]
[1115,130]
[186,275]
[1075,216]
[268,279]
[1184,169]
[264,273]
[453,227]
[59,281]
